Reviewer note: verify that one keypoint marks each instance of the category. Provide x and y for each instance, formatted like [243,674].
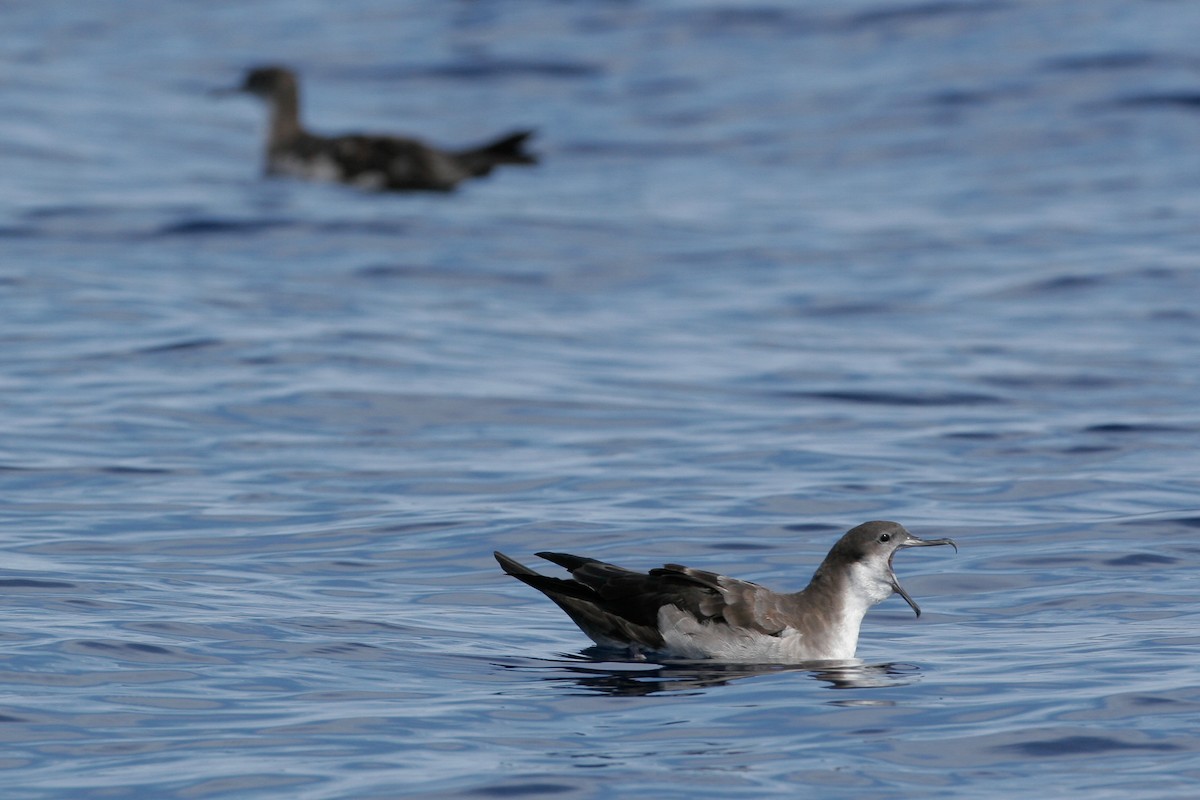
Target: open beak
[913,541]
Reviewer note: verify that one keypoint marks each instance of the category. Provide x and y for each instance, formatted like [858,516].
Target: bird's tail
[554,588]
[508,149]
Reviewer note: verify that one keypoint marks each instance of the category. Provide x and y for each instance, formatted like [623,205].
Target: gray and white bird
[389,163]
[684,613]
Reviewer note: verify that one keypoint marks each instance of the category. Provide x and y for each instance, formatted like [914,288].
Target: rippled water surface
[784,268]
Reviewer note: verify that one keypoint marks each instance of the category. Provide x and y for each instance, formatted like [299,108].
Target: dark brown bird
[389,163]
[680,612]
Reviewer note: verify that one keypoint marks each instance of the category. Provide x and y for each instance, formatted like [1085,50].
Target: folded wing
[620,607]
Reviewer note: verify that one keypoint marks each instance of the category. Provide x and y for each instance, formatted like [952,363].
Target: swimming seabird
[373,162]
[685,613]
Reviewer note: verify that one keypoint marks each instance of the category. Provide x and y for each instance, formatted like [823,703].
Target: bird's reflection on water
[589,671]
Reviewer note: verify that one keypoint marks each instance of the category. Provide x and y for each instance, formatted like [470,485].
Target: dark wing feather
[394,162]
[551,587]
[633,596]
[614,604]
[588,602]
[678,572]
[405,163]
[740,604]
[399,163]
[568,561]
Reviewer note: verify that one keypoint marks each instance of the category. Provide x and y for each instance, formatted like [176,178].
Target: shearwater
[390,163]
[680,612]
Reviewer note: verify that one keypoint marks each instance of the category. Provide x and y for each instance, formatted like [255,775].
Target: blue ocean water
[784,268]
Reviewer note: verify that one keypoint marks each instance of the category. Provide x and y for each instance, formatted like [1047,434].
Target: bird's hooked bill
[913,541]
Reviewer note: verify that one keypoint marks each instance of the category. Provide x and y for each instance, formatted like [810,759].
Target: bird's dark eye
[885,537]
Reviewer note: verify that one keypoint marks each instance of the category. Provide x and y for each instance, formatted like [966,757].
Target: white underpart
[370,180]
[324,168]
[320,168]
[869,584]
[686,637]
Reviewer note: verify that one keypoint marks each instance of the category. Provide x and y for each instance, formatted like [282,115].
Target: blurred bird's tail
[508,149]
